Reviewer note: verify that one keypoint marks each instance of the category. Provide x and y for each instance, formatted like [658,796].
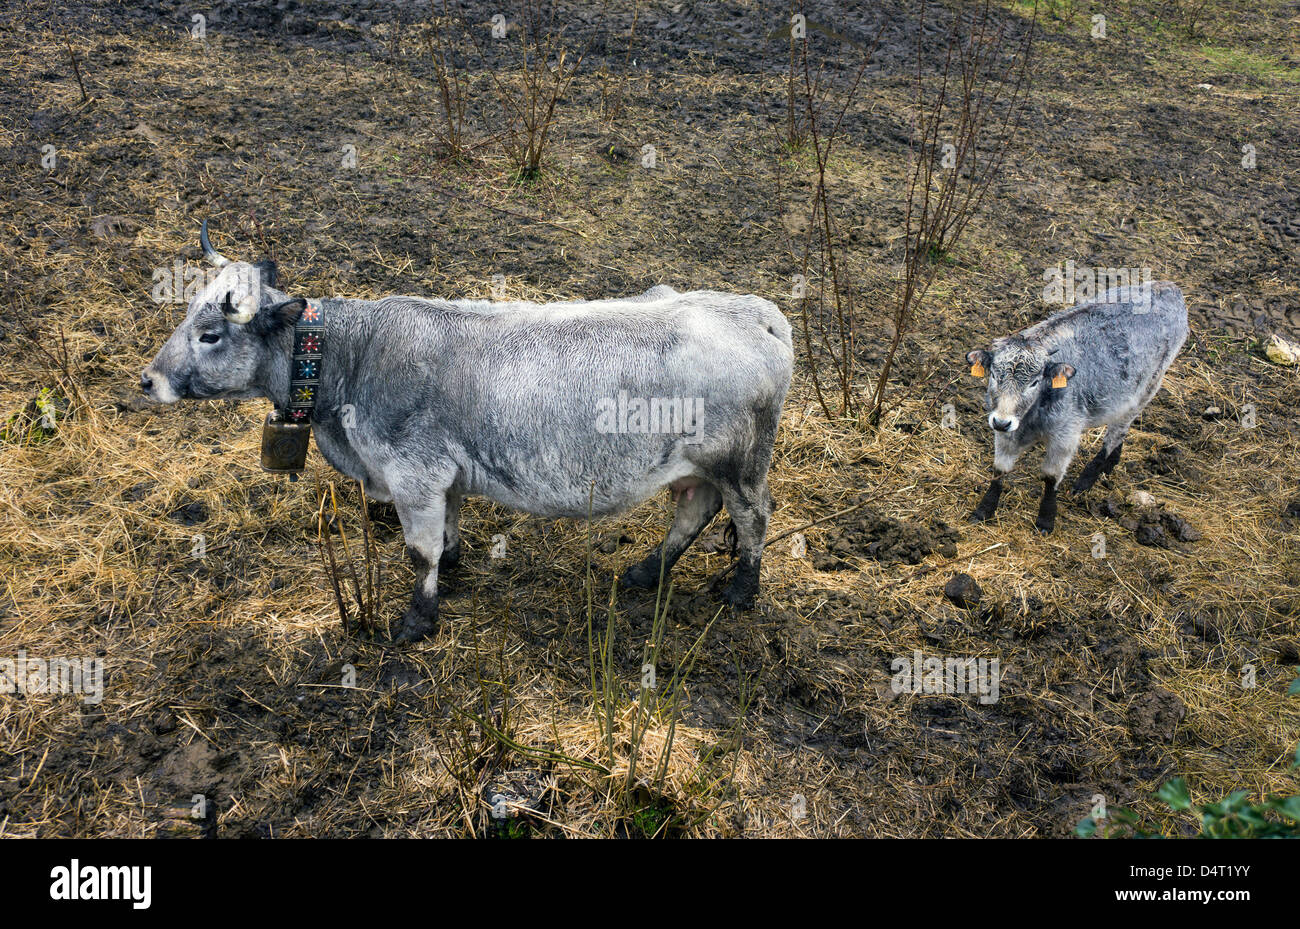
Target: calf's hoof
[1083,483]
[414,626]
[1045,525]
[979,516]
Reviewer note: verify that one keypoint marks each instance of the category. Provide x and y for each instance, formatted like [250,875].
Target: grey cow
[1096,364]
[542,408]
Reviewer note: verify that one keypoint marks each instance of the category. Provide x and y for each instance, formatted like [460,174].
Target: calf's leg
[1005,454]
[1105,460]
[1056,461]
[423,526]
[692,515]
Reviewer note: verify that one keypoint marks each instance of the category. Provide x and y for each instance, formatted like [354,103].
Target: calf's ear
[979,362]
[1060,373]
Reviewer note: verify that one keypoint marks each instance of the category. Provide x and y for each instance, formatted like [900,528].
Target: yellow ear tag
[977,370]
[1059,381]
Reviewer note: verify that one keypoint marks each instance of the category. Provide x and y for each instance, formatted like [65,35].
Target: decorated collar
[305,366]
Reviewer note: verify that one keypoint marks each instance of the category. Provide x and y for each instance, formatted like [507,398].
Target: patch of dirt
[869,534]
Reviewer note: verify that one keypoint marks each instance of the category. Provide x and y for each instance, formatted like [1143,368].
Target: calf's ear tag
[1059,381]
[977,370]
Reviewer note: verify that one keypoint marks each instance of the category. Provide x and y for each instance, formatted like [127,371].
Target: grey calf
[1107,359]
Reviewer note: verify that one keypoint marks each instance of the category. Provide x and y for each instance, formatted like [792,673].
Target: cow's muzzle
[156,387]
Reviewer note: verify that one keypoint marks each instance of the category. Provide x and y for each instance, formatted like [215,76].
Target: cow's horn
[242,311]
[209,252]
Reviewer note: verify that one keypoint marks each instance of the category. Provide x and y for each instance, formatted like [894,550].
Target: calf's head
[1020,373]
[227,345]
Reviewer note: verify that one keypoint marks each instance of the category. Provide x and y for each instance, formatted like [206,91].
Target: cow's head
[226,345]
[1020,373]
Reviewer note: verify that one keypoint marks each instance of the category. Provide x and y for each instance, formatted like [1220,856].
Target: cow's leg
[694,512]
[1005,454]
[450,557]
[1056,461]
[423,526]
[750,505]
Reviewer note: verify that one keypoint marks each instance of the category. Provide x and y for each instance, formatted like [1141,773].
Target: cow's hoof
[642,575]
[449,560]
[979,516]
[1044,526]
[740,594]
[414,626]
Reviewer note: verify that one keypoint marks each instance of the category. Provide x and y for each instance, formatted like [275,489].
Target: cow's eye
[210,337]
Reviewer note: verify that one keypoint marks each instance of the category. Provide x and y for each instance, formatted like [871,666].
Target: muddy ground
[228,673]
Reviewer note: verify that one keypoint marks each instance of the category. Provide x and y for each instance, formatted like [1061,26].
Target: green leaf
[1086,828]
[1175,794]
[1287,806]
[1237,801]
[1121,814]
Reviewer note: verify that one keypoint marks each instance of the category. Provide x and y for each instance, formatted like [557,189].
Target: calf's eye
[210,337]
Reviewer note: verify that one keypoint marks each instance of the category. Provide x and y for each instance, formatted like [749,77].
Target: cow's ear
[979,362]
[270,273]
[276,316]
[1060,373]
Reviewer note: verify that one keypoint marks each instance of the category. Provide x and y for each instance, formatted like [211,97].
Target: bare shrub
[976,106]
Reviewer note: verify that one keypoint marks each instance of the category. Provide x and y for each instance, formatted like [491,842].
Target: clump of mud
[868,534]
[963,590]
[1155,715]
[1151,525]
